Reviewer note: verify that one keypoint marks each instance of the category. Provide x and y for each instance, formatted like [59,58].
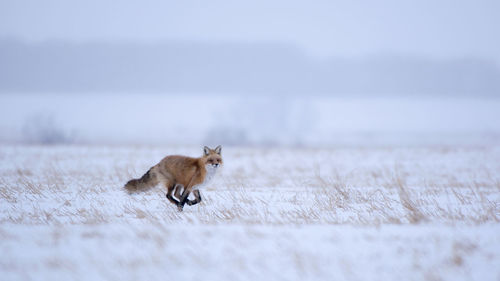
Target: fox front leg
[197,198]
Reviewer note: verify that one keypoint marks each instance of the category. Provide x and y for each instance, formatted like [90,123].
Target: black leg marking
[170,198]
[178,189]
[197,198]
[183,199]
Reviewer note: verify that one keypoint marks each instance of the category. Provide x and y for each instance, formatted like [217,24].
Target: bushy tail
[147,181]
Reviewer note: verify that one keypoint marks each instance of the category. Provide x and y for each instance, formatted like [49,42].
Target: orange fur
[179,173]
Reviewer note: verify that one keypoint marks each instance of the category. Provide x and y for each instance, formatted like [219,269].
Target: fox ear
[206,151]
[218,149]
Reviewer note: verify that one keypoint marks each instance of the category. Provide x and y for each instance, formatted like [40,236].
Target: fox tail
[147,181]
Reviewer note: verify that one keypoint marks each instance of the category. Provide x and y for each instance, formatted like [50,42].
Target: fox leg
[168,182]
[183,199]
[169,195]
[197,198]
[178,189]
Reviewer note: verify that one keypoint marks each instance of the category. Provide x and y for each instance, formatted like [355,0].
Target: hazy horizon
[256,72]
[180,66]
[442,30]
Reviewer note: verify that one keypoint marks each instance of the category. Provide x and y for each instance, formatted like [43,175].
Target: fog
[237,68]
[243,73]
[440,29]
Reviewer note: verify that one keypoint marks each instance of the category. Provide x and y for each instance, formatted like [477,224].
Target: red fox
[181,174]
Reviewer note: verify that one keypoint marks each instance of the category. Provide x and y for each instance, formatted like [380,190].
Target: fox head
[212,157]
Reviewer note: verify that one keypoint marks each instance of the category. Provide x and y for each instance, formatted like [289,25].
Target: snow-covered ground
[338,213]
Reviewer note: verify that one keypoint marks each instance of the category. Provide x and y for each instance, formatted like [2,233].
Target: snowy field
[340,213]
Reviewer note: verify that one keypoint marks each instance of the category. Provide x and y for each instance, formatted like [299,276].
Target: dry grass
[336,186]
[280,214]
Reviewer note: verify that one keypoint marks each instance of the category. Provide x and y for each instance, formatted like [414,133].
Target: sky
[405,48]
[437,29]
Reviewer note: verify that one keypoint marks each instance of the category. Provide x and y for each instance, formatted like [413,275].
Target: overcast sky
[441,29]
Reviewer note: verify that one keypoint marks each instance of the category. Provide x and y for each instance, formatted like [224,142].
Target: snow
[245,252]
[342,213]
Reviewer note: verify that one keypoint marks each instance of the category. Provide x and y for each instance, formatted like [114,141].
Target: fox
[181,175]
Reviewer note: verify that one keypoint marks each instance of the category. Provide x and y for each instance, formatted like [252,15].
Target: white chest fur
[209,176]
